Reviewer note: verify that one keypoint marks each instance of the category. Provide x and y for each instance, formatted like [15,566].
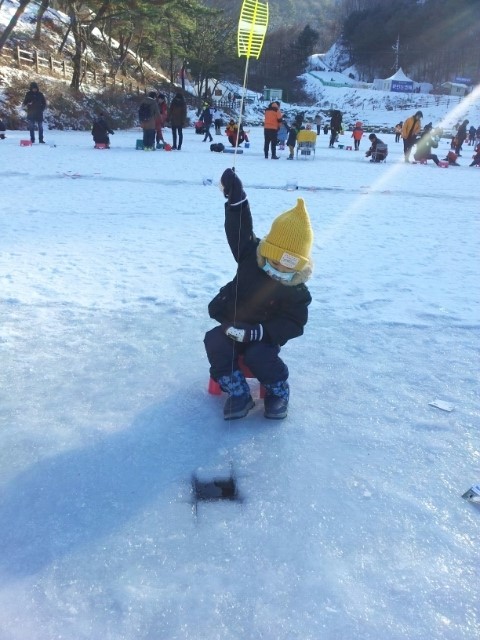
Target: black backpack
[145,112]
[218,147]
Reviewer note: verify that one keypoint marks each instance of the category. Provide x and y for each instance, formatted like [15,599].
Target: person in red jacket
[357,134]
[272,122]
[162,118]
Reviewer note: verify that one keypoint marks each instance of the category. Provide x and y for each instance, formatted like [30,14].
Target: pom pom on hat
[290,239]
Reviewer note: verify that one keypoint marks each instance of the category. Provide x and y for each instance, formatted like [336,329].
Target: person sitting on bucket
[263,307]
[100,130]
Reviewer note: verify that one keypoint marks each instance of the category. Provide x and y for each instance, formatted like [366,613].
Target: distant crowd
[154,114]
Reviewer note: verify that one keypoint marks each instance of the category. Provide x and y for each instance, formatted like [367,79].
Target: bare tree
[13,22]
[41,11]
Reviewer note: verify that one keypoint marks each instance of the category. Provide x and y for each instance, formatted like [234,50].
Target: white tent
[398,82]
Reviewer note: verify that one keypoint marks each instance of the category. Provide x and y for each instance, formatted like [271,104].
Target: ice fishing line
[252,27]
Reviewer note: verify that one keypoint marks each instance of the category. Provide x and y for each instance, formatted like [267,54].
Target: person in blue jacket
[263,307]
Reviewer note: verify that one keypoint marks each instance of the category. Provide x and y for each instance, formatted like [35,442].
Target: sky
[350,521]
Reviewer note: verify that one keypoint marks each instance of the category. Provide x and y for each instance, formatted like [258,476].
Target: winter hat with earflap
[290,239]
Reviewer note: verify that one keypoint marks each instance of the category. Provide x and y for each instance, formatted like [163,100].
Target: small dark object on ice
[220,486]
[215,489]
[473,494]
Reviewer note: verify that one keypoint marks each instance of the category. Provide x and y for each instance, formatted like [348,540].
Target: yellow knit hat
[290,239]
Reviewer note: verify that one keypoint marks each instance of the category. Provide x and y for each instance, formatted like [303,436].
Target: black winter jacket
[35,103]
[100,130]
[177,114]
[282,309]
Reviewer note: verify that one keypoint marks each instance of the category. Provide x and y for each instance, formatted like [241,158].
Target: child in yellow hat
[263,307]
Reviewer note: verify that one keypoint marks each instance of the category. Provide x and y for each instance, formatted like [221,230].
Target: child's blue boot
[239,401]
[276,400]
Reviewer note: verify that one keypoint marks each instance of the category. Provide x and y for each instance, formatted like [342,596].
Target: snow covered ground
[351,523]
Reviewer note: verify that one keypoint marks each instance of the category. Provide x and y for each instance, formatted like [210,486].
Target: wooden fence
[64,69]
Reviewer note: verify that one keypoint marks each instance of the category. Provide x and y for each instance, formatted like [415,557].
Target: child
[292,136]
[357,134]
[217,121]
[398,131]
[263,307]
[161,119]
[100,131]
[282,135]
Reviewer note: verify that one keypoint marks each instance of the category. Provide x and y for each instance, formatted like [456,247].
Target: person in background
[318,123]
[100,130]
[282,135]
[476,157]
[378,149]
[231,131]
[451,158]
[35,104]
[461,137]
[177,115]
[207,118]
[472,132]
[235,137]
[3,128]
[398,131]
[292,136]
[357,134]
[410,130]
[161,119]
[263,307]
[217,121]
[335,126]
[147,114]
[272,121]
[428,141]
